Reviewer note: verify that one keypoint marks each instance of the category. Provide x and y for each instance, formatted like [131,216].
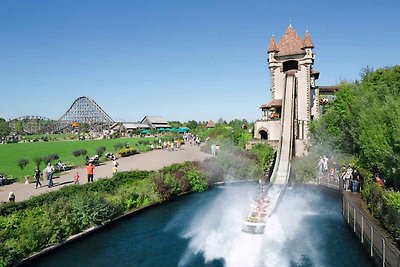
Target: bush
[22,163]
[37,161]
[100,150]
[126,152]
[305,169]
[172,183]
[196,180]
[79,152]
[264,154]
[53,157]
[118,146]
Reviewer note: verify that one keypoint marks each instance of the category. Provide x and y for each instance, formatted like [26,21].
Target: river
[204,229]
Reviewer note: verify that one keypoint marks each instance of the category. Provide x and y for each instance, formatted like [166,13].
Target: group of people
[48,173]
[192,139]
[350,178]
[330,173]
[348,175]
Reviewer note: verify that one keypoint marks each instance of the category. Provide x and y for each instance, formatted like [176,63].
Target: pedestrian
[90,172]
[348,176]
[355,180]
[37,177]
[325,163]
[11,197]
[50,170]
[379,181]
[213,150]
[76,178]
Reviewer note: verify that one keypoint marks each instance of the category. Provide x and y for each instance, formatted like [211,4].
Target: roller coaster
[82,111]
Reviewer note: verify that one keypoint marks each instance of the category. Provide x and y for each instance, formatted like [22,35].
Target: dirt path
[153,160]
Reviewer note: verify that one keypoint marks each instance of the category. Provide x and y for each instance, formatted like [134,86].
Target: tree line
[364,120]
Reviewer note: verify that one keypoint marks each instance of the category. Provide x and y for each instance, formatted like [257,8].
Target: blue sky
[184,60]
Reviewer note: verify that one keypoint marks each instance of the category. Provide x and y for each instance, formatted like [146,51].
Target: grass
[11,153]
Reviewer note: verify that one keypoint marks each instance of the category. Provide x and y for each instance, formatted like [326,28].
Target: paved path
[153,160]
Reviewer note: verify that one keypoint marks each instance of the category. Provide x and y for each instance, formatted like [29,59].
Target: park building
[155,122]
[148,122]
[292,54]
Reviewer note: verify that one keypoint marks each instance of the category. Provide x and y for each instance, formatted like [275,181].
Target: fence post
[362,229]
[348,211]
[372,241]
[383,252]
[354,219]
[343,207]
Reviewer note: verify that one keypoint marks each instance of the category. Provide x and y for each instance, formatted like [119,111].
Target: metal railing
[325,179]
[371,237]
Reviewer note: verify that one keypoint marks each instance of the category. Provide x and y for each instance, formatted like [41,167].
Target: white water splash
[216,233]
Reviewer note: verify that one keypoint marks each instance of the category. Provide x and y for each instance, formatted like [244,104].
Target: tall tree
[4,128]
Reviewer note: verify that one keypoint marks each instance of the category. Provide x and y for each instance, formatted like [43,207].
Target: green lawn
[10,153]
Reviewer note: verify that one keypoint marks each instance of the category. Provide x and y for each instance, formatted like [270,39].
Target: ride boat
[260,210]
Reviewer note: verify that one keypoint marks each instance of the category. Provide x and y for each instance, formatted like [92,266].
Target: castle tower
[292,53]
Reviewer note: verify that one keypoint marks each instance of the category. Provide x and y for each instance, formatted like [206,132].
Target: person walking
[11,197]
[76,178]
[90,172]
[355,181]
[50,170]
[37,177]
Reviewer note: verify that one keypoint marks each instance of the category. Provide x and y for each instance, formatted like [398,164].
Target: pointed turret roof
[290,44]
[273,47]
[307,43]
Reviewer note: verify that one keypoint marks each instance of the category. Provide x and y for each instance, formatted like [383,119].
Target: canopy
[145,131]
[160,129]
[183,129]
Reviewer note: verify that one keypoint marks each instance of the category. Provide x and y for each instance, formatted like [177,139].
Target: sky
[180,59]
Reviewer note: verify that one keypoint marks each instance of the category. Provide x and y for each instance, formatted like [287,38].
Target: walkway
[153,160]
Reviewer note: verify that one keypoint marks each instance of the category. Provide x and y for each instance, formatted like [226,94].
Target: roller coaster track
[83,110]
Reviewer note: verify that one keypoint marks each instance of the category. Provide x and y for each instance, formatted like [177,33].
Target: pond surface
[204,229]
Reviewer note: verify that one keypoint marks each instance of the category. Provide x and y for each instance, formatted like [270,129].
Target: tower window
[290,65]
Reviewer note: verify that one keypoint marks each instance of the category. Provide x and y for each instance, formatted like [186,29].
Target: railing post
[348,211]
[354,219]
[372,241]
[343,207]
[362,229]
[383,252]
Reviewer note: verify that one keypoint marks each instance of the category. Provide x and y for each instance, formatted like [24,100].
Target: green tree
[19,127]
[192,125]
[4,128]
[364,120]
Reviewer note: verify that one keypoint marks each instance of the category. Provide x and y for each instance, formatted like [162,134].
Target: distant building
[128,126]
[210,124]
[155,122]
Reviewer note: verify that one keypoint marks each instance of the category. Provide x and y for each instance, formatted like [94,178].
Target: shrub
[172,183]
[22,163]
[196,180]
[264,154]
[118,146]
[53,157]
[79,152]
[126,152]
[37,161]
[100,150]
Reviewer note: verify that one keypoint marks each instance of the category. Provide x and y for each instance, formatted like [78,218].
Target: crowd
[192,139]
[348,175]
